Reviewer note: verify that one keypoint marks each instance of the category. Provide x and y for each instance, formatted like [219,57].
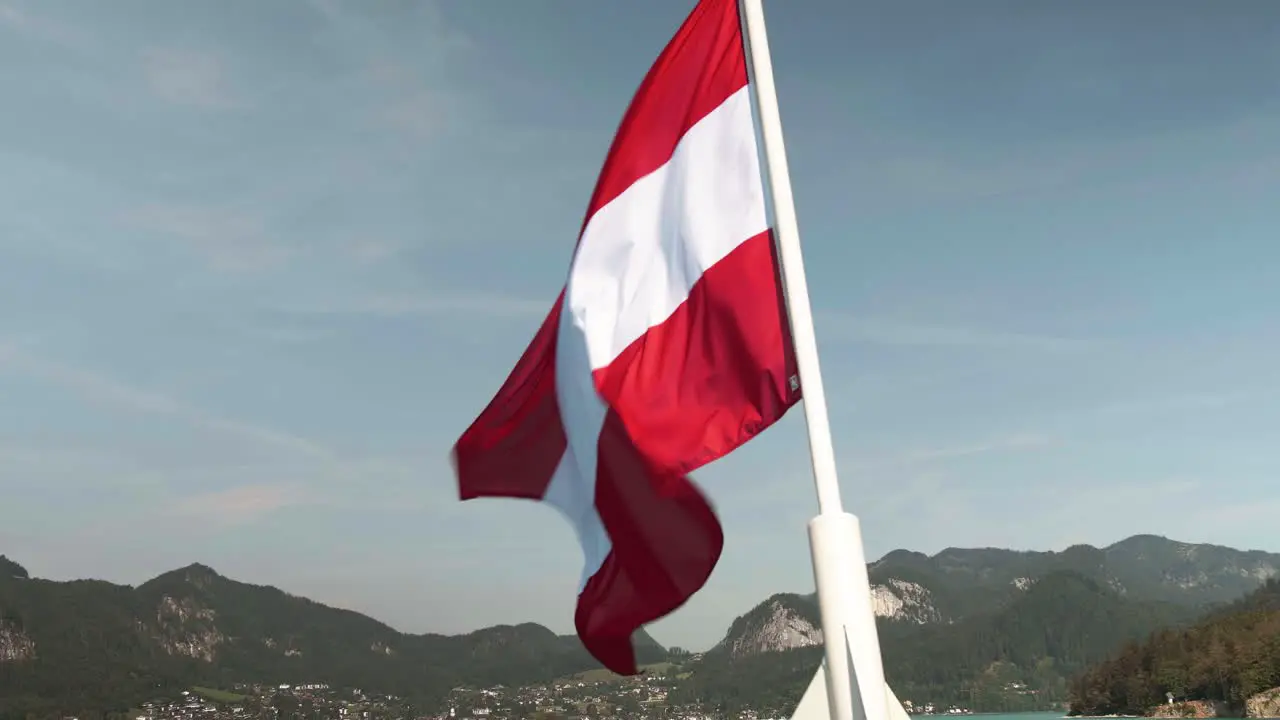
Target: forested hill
[1015,656]
[1228,657]
[73,646]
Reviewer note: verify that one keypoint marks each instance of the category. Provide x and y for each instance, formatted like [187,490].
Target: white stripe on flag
[642,253]
[639,257]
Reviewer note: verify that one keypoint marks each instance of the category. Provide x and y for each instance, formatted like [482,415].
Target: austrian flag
[667,349]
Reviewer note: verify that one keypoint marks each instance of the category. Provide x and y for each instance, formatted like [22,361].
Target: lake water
[1013,716]
[1003,716]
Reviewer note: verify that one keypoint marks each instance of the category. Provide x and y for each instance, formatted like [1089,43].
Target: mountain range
[93,644]
[986,628]
[963,626]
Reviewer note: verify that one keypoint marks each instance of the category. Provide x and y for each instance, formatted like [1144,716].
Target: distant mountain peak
[1144,537]
[783,621]
[1144,540]
[512,633]
[183,580]
[11,569]
[902,557]
[199,575]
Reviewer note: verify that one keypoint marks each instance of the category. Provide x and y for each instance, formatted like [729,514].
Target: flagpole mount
[855,674]
[852,672]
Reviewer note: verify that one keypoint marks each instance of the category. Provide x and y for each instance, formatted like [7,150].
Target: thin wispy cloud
[190,78]
[256,329]
[922,170]
[1174,403]
[1016,441]
[1111,502]
[412,106]
[12,16]
[929,496]
[900,476]
[28,20]
[25,465]
[942,454]
[370,251]
[1243,512]
[228,239]
[951,178]
[417,99]
[239,505]
[850,327]
[956,178]
[464,305]
[101,388]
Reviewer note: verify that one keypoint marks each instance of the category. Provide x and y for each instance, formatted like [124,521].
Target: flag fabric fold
[667,349]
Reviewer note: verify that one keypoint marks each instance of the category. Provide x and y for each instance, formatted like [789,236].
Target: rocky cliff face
[780,627]
[15,645]
[185,627]
[905,601]
[1192,709]
[1265,704]
[787,621]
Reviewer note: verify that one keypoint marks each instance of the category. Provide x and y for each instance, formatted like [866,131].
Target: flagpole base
[854,673]
[814,705]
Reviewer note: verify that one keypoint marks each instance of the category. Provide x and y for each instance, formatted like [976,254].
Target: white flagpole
[835,538]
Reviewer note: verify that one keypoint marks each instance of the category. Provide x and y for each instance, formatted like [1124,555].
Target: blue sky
[261,263]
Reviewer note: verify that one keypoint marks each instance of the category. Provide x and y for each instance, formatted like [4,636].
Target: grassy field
[603,675]
[218,696]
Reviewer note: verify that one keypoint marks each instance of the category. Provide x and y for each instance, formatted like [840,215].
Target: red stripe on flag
[699,69]
[709,378]
[666,541]
[513,448]
[713,374]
